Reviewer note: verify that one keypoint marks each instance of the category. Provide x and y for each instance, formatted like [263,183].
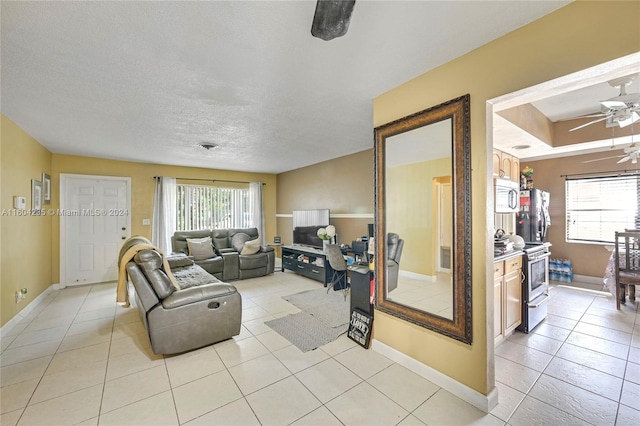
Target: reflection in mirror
[423,183]
[422,216]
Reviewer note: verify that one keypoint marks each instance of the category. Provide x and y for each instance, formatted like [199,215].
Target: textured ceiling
[149,81]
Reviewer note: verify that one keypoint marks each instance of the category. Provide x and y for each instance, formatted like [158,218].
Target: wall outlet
[146,221]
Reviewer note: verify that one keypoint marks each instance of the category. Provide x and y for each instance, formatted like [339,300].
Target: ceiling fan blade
[331,18]
[603,158]
[614,104]
[599,114]
[627,158]
[628,121]
[589,123]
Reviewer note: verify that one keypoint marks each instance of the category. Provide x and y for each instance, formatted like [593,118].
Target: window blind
[212,207]
[598,207]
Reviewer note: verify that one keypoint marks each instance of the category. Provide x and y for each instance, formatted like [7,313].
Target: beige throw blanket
[123,278]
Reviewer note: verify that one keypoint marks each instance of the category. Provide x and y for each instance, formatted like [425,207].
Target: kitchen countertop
[507,256]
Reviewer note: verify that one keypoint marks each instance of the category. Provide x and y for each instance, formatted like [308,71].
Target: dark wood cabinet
[306,261]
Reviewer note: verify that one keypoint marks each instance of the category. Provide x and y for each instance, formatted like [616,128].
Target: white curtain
[164,213]
[257,215]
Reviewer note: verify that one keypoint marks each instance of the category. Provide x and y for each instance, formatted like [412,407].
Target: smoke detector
[208,145]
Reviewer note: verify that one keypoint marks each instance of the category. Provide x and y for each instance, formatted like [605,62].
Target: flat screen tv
[306,224]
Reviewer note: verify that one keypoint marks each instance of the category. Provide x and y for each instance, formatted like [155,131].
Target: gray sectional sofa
[230,257]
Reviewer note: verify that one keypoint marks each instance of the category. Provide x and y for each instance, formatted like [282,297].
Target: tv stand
[309,262]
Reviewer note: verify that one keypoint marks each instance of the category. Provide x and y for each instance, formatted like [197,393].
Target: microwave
[507,196]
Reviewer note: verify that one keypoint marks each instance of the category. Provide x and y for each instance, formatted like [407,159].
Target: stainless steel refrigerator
[533,220]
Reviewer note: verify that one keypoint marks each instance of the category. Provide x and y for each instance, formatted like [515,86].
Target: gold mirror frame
[458,110]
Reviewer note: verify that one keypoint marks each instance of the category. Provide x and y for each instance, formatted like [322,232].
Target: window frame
[235,214]
[605,236]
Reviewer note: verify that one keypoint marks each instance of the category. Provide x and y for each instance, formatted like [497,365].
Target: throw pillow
[251,247]
[200,248]
[238,240]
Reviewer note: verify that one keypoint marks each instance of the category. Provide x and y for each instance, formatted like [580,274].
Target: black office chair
[339,266]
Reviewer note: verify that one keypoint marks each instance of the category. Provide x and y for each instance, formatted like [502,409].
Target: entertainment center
[307,261]
[305,256]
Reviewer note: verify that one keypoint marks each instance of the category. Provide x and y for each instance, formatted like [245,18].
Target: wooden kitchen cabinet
[507,297]
[497,162]
[505,166]
[515,169]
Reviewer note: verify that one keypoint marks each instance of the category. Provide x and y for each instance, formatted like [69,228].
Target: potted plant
[326,235]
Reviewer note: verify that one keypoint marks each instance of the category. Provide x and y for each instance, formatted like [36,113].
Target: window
[212,207]
[598,207]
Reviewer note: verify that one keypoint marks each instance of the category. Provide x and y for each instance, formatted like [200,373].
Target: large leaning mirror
[423,208]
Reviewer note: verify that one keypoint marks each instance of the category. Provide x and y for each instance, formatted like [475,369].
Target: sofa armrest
[225,250]
[266,249]
[197,294]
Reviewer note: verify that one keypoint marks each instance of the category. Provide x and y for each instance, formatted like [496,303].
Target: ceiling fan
[331,18]
[620,111]
[632,152]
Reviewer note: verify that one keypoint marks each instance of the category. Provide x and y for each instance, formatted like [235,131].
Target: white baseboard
[416,276]
[6,329]
[483,402]
[589,280]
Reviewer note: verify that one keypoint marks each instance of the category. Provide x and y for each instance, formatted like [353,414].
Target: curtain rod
[610,173]
[213,180]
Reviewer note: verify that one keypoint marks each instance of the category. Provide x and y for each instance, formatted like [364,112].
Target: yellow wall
[587,259]
[142,189]
[25,241]
[410,212]
[563,42]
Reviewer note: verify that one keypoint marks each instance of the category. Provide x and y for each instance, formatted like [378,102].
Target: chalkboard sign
[360,327]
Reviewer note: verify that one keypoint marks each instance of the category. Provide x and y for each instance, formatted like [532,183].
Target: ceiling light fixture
[208,145]
[521,147]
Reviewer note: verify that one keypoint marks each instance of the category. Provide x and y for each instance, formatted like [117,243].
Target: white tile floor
[79,359]
[435,296]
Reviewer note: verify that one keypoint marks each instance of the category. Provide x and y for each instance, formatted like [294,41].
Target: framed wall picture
[36,195]
[46,189]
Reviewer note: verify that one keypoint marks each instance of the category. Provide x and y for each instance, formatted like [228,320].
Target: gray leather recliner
[395,244]
[204,312]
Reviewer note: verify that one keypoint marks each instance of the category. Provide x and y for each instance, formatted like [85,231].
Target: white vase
[325,243]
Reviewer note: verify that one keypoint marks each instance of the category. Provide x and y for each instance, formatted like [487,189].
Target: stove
[535,285]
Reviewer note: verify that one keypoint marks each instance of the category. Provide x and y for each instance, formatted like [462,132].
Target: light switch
[19,203]
[146,221]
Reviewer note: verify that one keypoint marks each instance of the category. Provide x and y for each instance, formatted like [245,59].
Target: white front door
[94,221]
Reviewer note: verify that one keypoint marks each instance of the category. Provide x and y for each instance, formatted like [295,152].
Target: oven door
[537,276]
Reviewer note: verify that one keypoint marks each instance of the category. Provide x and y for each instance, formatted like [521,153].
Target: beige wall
[343,185]
[411,212]
[587,259]
[25,241]
[563,42]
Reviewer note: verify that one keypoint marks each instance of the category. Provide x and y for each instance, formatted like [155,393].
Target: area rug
[324,317]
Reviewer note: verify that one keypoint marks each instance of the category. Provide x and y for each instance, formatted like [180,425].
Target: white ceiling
[148,81]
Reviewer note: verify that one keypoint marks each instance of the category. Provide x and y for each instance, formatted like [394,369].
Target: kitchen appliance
[507,198]
[533,219]
[535,285]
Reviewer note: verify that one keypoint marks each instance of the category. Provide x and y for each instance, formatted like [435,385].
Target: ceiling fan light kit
[620,111]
